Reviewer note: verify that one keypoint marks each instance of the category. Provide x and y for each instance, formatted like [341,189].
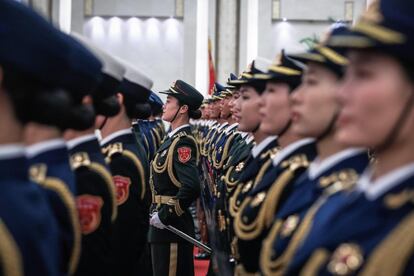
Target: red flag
[211,72]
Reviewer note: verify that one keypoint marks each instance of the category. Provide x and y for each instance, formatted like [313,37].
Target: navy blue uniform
[26,213]
[50,168]
[282,241]
[364,232]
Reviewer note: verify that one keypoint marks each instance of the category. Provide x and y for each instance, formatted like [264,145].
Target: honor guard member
[266,146]
[39,67]
[158,129]
[130,169]
[315,111]
[49,156]
[369,230]
[175,184]
[47,152]
[255,215]
[96,196]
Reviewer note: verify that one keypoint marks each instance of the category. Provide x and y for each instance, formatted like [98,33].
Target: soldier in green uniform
[175,184]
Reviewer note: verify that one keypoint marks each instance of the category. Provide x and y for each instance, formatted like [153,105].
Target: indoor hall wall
[153,45]
[304,18]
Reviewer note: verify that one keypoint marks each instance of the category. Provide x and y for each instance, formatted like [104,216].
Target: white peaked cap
[262,64]
[134,75]
[111,66]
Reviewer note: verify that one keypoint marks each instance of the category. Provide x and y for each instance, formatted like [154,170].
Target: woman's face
[215,110]
[170,109]
[250,103]
[234,105]
[314,104]
[373,95]
[275,110]
[225,112]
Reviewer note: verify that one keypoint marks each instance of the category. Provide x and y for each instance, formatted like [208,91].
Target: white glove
[156,222]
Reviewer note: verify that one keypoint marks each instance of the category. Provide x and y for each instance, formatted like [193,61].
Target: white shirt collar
[38,148]
[249,139]
[375,189]
[257,149]
[79,140]
[291,148]
[223,126]
[116,134]
[231,127]
[171,133]
[317,167]
[8,151]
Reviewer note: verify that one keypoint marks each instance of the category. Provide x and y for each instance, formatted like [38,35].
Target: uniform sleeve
[185,167]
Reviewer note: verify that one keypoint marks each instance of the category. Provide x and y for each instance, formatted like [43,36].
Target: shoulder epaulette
[79,159]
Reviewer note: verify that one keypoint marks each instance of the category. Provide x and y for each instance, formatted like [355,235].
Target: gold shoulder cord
[107,177]
[336,182]
[318,258]
[60,188]
[231,182]
[170,161]
[81,159]
[10,259]
[233,207]
[262,171]
[140,168]
[268,201]
[219,165]
[391,256]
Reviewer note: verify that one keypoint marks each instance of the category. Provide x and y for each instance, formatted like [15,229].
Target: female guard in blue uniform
[369,230]
[315,111]
[175,184]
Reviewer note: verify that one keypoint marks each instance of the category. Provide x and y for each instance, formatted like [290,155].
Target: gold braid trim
[318,258]
[270,202]
[227,179]
[279,265]
[107,177]
[266,265]
[140,168]
[225,153]
[392,255]
[262,171]
[60,188]
[233,207]
[170,164]
[10,258]
[215,163]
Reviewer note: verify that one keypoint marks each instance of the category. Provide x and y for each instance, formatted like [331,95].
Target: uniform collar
[317,167]
[223,126]
[115,135]
[231,127]
[38,148]
[291,148]
[257,149]
[175,131]
[80,140]
[375,189]
[9,151]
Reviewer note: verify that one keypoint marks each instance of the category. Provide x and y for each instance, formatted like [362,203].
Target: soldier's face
[314,104]
[170,109]
[373,96]
[225,108]
[234,105]
[275,110]
[250,118]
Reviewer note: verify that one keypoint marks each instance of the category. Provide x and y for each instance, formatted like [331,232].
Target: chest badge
[184,154]
[89,210]
[240,167]
[346,259]
[122,188]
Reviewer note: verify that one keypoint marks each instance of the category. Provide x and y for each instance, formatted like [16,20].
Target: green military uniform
[175,184]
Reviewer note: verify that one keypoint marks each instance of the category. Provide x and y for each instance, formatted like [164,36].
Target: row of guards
[298,167]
